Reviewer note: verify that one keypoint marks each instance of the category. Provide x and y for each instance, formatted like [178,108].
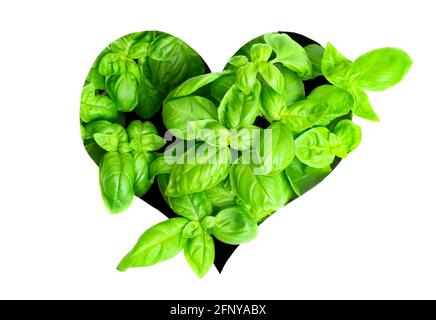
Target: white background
[368,231]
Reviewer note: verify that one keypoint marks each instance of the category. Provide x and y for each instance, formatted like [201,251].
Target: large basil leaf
[237,108]
[315,53]
[335,66]
[117,176]
[178,113]
[171,61]
[159,243]
[276,149]
[234,225]
[193,206]
[302,114]
[219,87]
[303,178]
[123,89]
[380,69]
[338,102]
[199,169]
[96,107]
[200,253]
[313,148]
[290,54]
[264,193]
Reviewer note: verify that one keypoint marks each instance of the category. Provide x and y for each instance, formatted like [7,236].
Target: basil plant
[248,139]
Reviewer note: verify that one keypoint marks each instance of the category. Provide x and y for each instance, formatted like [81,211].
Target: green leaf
[338,102]
[302,114]
[244,137]
[293,86]
[159,243]
[208,223]
[198,170]
[108,142]
[210,131]
[200,253]
[112,63]
[160,165]
[178,113]
[238,61]
[272,103]
[139,49]
[123,89]
[219,87]
[260,52]
[348,134]
[313,148]
[122,45]
[290,54]
[137,129]
[143,177]
[335,67]
[315,53]
[234,225]
[237,108]
[276,149]
[193,206]
[192,229]
[361,106]
[380,69]
[272,75]
[246,77]
[171,61]
[149,99]
[303,178]
[96,107]
[221,195]
[266,193]
[191,85]
[117,175]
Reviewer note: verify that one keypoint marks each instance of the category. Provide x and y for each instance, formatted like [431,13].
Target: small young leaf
[200,253]
[238,61]
[361,106]
[349,134]
[246,77]
[260,52]
[313,148]
[272,75]
[335,67]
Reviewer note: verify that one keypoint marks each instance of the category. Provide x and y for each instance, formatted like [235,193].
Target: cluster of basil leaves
[226,198]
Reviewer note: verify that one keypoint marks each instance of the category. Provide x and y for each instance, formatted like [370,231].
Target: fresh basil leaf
[208,223]
[267,193]
[122,45]
[293,86]
[143,177]
[234,225]
[117,174]
[211,132]
[193,206]
[137,129]
[379,69]
[361,106]
[349,135]
[313,148]
[112,63]
[178,113]
[160,165]
[335,67]
[246,77]
[237,108]
[221,195]
[303,178]
[272,103]
[219,87]
[272,75]
[96,107]
[289,53]
[238,61]
[338,102]
[315,53]
[108,142]
[149,99]
[191,85]
[159,243]
[276,149]
[192,229]
[260,52]
[302,114]
[139,48]
[123,89]
[200,253]
[244,137]
[171,61]
[107,135]
[198,170]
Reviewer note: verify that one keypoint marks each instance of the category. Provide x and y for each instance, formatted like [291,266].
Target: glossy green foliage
[246,140]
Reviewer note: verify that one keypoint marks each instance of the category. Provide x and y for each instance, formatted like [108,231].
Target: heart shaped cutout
[283,101]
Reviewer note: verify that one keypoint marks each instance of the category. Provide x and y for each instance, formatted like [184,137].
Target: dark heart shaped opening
[154,198]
